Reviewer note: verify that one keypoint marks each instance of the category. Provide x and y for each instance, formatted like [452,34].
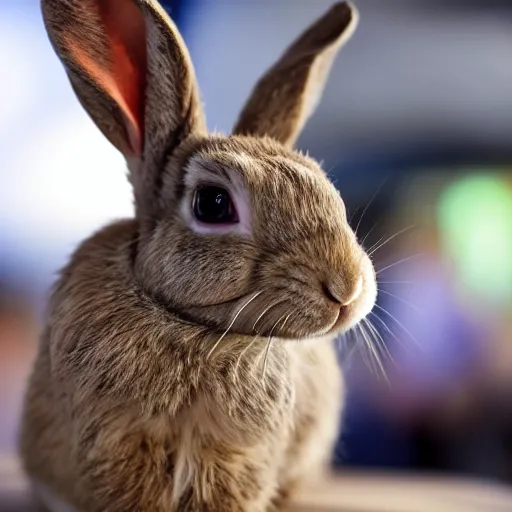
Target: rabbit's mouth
[280,319]
[341,320]
[286,308]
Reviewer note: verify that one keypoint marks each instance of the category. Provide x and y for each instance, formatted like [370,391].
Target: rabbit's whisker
[353,214]
[366,354]
[368,234]
[386,312]
[403,301]
[370,249]
[251,343]
[267,350]
[244,351]
[347,338]
[268,308]
[379,340]
[270,338]
[368,205]
[231,324]
[374,249]
[403,260]
[373,351]
[395,282]
[383,323]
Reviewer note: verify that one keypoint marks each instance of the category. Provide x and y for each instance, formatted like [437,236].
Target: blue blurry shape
[369,439]
[174,8]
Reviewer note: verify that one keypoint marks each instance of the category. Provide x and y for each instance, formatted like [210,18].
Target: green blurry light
[475,221]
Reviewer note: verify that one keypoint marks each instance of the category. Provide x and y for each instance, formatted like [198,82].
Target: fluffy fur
[185,370]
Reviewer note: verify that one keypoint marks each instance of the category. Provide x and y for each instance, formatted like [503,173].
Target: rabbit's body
[187,361]
[147,429]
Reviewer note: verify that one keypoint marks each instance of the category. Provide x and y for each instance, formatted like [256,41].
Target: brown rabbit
[187,361]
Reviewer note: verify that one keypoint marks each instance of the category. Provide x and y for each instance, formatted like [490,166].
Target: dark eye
[213,205]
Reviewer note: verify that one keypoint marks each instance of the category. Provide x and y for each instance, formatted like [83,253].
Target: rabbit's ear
[131,71]
[287,94]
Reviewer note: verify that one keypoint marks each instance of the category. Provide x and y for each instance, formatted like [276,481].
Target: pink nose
[341,294]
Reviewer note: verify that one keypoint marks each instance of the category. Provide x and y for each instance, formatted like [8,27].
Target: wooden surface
[364,492]
[346,492]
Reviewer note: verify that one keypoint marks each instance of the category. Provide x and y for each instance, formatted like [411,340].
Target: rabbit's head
[236,232]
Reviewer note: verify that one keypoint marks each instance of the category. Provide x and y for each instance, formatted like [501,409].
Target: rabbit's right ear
[132,73]
[288,93]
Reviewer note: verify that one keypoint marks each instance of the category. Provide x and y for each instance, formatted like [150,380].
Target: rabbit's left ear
[132,73]
[288,93]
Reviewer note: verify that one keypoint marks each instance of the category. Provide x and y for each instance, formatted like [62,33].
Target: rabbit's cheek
[192,271]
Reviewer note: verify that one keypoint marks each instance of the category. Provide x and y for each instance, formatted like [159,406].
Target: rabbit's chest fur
[114,378]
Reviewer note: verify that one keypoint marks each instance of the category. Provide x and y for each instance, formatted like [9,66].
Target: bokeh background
[415,128]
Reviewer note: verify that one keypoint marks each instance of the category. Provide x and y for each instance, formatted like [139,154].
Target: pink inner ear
[123,73]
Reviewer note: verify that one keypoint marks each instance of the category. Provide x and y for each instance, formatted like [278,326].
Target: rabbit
[187,362]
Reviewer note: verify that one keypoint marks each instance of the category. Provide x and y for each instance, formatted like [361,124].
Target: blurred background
[415,128]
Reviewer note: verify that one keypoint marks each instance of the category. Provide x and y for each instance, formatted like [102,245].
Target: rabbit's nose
[338,291]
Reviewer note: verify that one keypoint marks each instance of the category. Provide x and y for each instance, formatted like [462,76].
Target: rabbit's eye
[213,205]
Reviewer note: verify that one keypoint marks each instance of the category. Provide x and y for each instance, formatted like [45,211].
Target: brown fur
[155,389]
